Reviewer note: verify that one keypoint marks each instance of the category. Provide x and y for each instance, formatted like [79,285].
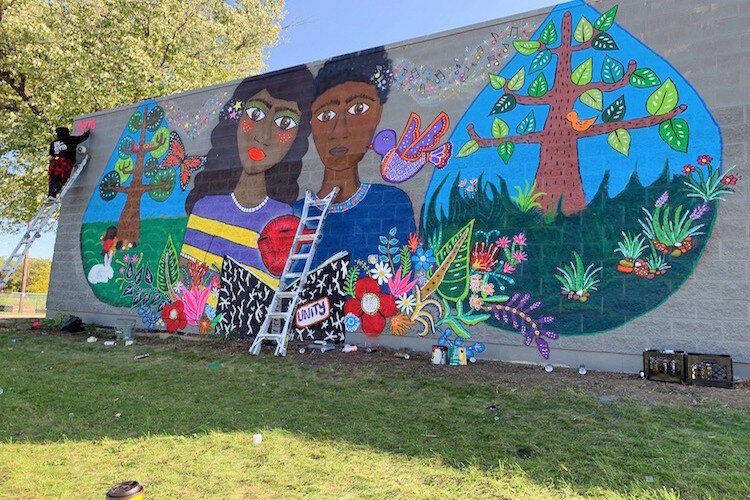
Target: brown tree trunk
[129,224]
[558,175]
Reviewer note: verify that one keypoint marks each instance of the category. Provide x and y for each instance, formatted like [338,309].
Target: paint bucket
[129,490]
[462,356]
[453,356]
[437,355]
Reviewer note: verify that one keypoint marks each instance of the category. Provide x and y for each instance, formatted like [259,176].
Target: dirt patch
[505,376]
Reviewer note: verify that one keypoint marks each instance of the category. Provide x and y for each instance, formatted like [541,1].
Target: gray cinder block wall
[700,304]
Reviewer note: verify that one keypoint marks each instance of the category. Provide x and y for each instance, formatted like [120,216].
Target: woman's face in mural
[344,120]
[266,131]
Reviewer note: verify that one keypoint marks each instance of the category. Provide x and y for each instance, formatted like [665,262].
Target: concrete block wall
[699,304]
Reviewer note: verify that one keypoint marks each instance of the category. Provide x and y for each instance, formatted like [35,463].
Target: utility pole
[24,279]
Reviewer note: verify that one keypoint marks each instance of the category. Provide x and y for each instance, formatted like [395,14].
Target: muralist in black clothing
[62,153]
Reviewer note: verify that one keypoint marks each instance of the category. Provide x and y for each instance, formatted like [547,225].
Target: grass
[188,414]
[154,233]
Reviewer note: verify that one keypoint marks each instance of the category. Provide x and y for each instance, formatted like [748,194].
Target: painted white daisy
[406,303]
[381,272]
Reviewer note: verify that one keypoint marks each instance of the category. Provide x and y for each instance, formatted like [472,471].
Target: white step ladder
[42,221]
[278,320]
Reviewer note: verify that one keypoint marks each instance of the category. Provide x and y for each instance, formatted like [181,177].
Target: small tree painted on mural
[558,174]
[139,162]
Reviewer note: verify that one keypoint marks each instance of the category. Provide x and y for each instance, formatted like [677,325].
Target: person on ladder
[62,153]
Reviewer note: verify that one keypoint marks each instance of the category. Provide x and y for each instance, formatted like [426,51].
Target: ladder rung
[291,275]
[300,256]
[312,218]
[306,237]
[278,314]
[285,295]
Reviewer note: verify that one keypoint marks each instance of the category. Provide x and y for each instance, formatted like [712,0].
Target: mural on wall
[576,192]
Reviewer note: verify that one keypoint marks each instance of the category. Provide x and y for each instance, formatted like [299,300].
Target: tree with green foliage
[558,174]
[38,280]
[61,58]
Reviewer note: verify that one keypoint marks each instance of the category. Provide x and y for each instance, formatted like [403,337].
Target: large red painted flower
[174,316]
[371,306]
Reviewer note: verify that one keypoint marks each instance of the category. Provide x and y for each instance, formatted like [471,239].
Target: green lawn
[188,413]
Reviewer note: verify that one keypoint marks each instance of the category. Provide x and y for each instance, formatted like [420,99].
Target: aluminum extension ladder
[42,221]
[278,320]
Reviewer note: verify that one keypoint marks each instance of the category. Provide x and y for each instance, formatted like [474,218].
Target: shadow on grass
[58,388]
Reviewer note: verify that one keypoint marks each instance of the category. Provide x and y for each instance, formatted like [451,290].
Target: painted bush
[576,192]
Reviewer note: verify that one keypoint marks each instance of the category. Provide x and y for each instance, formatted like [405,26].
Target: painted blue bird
[403,159]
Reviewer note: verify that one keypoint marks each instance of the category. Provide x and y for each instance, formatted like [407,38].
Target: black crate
[664,367]
[711,370]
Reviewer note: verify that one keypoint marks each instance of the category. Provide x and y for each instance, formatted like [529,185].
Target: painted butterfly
[176,158]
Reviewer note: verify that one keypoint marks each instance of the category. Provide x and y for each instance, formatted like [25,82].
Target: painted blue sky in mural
[647,151]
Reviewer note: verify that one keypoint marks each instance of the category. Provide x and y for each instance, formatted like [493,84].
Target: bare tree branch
[532,138]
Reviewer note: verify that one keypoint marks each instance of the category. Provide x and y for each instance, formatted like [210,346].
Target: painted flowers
[371,306]
[173,316]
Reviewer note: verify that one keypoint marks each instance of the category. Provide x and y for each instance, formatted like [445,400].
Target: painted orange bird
[579,125]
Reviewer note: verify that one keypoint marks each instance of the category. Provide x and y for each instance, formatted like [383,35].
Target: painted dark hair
[223,166]
[359,66]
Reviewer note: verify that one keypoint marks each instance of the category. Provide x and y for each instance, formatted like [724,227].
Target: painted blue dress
[356,224]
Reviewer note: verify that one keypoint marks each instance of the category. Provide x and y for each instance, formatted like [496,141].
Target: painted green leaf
[527,125]
[475,319]
[675,132]
[124,167]
[539,86]
[154,119]
[526,47]
[606,20]
[161,136]
[150,168]
[603,41]
[499,128]
[496,81]
[469,148]
[593,98]
[506,103]
[540,61]
[612,70]
[166,178]
[455,283]
[583,73]
[457,328]
[505,150]
[663,100]
[643,78]
[584,30]
[615,111]
[620,141]
[134,124]
[549,34]
[112,179]
[516,82]
[168,272]
[125,148]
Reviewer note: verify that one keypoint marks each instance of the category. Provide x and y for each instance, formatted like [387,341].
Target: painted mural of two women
[243,202]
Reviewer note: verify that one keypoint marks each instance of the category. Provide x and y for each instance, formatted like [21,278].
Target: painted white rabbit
[102,273]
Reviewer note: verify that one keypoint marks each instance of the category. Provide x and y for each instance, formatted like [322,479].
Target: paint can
[437,355]
[462,356]
[129,490]
[453,356]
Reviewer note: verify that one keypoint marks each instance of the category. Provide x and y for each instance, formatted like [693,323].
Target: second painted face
[266,131]
[343,123]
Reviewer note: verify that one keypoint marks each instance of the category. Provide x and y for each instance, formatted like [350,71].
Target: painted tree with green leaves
[558,174]
[138,171]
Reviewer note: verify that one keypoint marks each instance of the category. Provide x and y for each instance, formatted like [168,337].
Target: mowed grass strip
[187,415]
